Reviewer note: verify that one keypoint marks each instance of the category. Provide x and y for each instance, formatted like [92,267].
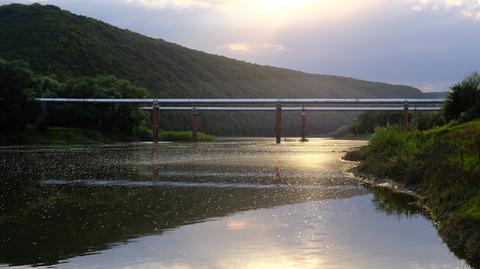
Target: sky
[429,44]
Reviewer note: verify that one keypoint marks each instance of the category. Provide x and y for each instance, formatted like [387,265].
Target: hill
[55,41]
[435,94]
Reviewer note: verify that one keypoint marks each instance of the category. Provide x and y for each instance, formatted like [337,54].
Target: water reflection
[395,203]
[69,220]
[342,233]
[248,204]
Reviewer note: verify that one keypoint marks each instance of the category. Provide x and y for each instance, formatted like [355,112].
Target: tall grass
[184,136]
[405,154]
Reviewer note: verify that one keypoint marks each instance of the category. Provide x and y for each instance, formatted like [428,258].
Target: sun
[269,11]
[282,5]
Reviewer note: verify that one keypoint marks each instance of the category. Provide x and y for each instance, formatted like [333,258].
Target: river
[231,204]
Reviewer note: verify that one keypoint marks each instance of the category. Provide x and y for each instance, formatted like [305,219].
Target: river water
[239,203]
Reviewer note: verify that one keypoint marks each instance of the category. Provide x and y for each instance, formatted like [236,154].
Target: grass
[60,135]
[184,136]
[471,208]
[443,166]
[65,136]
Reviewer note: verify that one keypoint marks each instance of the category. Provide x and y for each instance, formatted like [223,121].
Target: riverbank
[65,136]
[442,166]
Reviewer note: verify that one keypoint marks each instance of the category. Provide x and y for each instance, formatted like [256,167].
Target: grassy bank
[184,136]
[65,136]
[443,166]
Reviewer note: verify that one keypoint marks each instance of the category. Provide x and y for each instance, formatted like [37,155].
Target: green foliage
[124,118]
[471,208]
[86,123]
[464,101]
[60,135]
[58,42]
[17,86]
[398,148]
[366,122]
[184,136]
[406,154]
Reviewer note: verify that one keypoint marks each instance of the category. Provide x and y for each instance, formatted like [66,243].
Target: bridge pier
[278,124]
[194,125]
[302,126]
[405,116]
[155,123]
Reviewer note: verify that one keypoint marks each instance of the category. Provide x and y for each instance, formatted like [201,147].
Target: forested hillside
[57,42]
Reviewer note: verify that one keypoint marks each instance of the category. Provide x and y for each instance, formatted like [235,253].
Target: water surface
[229,204]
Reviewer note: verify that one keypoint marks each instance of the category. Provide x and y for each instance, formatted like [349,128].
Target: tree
[18,86]
[366,122]
[124,118]
[464,101]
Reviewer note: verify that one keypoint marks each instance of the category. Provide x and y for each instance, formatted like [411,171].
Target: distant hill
[435,94]
[58,42]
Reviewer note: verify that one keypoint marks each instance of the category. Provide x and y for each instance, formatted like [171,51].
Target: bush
[392,152]
[367,122]
[464,101]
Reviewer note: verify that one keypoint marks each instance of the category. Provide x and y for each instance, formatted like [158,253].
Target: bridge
[280,105]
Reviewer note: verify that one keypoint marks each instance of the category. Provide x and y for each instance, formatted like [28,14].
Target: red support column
[302,127]
[405,116]
[155,123]
[278,124]
[194,125]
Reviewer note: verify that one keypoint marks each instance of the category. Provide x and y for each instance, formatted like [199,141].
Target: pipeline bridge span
[277,105]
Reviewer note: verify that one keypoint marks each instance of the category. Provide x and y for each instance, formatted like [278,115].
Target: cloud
[178,4]
[465,8]
[251,47]
[471,13]
[421,4]
[454,3]
[241,47]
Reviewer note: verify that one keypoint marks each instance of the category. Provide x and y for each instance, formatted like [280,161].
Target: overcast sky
[429,44]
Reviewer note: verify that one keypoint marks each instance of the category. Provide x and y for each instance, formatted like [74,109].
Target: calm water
[227,205]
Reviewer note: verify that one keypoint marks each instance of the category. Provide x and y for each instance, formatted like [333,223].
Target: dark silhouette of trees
[463,102]
[17,86]
[124,118]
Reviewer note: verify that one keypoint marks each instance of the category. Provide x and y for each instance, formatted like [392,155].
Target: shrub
[464,101]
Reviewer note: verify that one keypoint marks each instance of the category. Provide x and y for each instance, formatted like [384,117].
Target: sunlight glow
[282,5]
[247,48]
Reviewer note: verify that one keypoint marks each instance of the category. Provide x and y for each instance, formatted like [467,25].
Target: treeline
[19,86]
[367,122]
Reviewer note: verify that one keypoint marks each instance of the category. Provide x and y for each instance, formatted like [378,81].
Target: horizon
[278,33]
